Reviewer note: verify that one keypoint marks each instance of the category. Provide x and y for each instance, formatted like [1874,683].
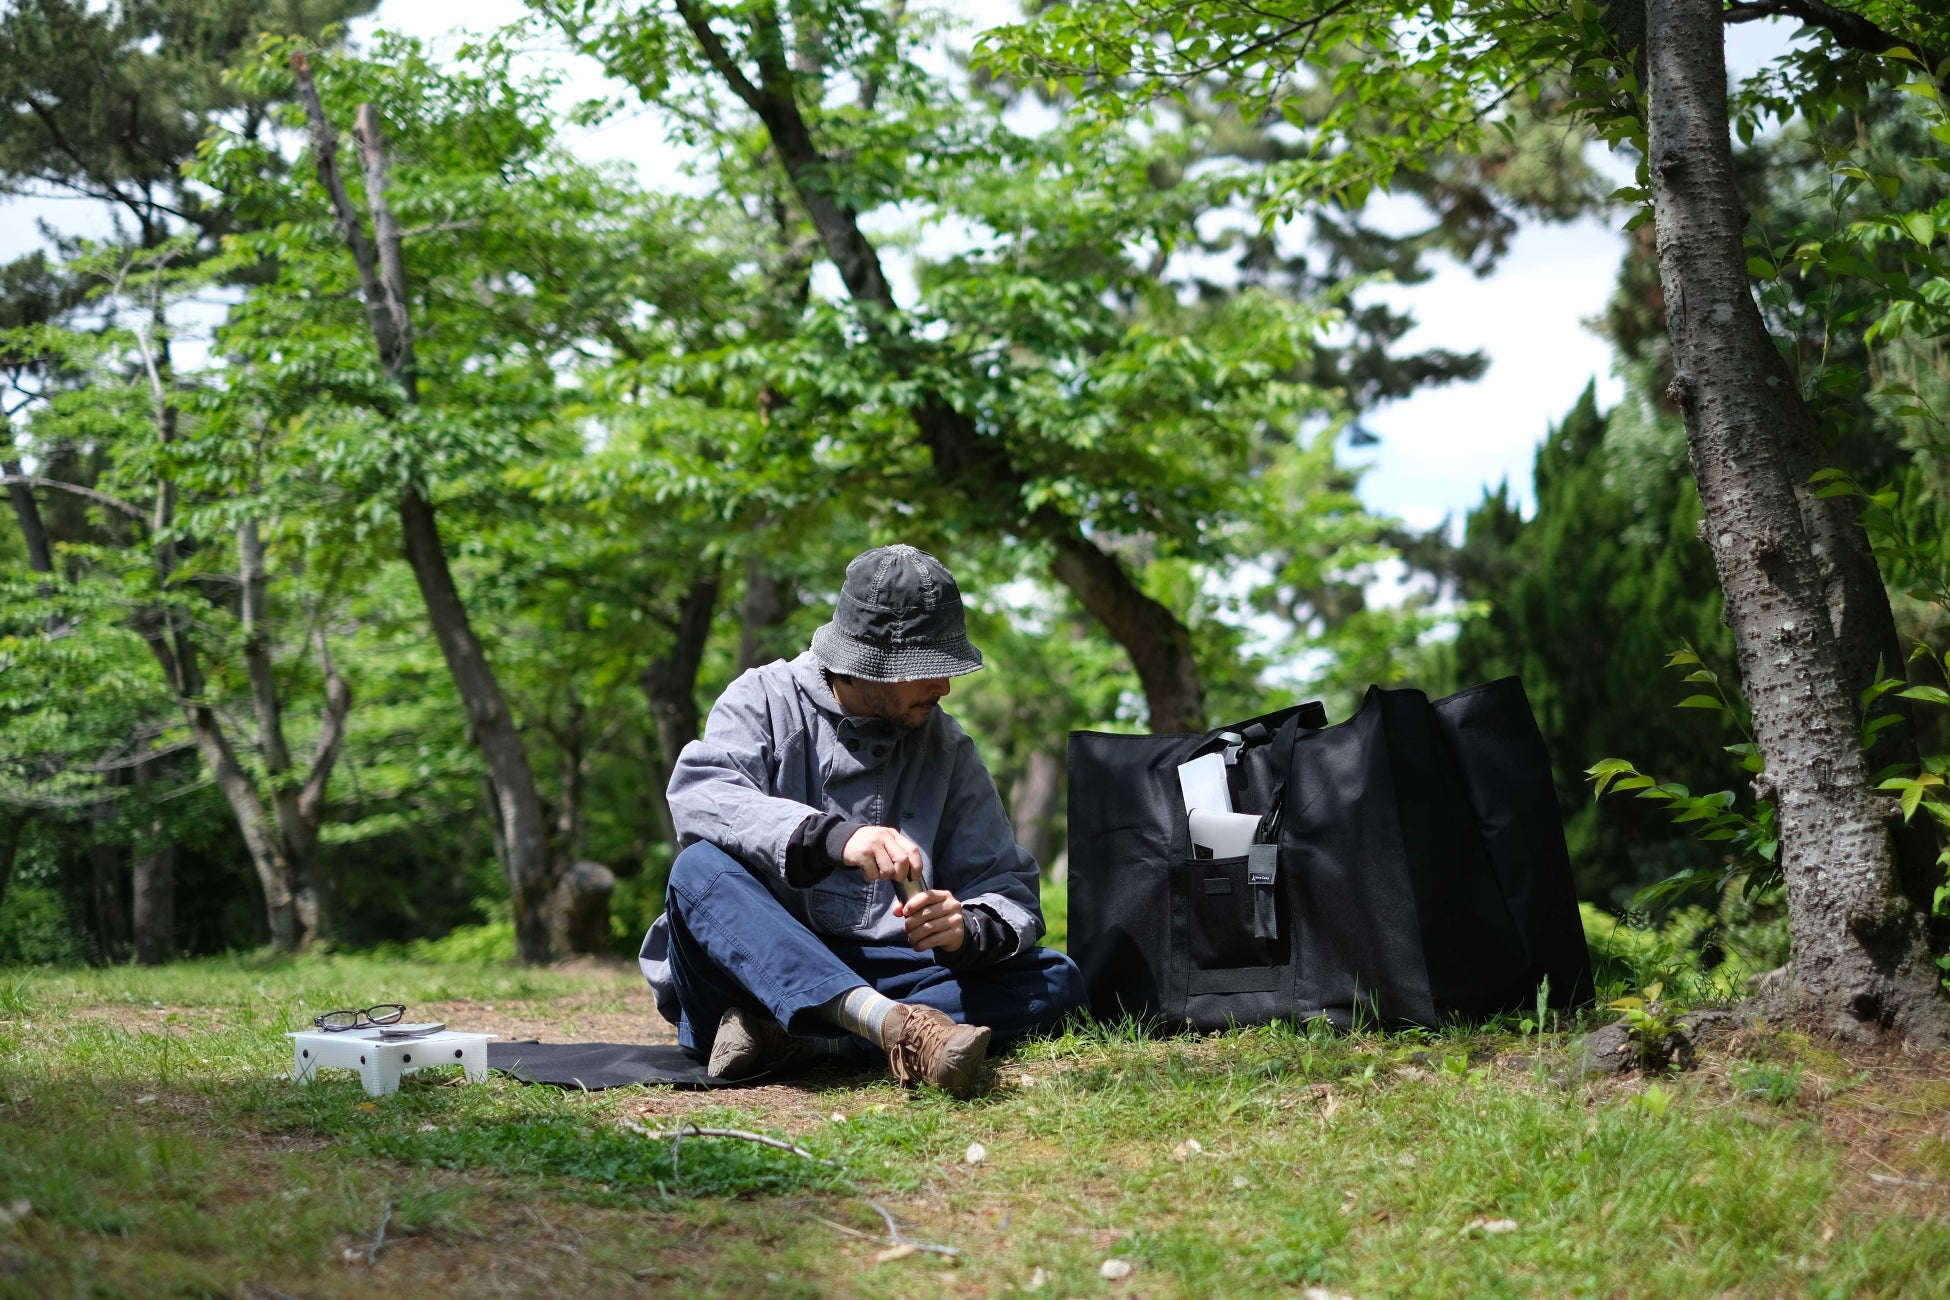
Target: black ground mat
[594,1066]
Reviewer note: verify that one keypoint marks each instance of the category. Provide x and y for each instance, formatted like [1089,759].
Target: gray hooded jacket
[778,748]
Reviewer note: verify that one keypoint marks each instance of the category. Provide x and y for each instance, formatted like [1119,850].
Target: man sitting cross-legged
[846,871]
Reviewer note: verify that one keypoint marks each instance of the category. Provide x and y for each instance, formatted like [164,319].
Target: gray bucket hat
[899,618]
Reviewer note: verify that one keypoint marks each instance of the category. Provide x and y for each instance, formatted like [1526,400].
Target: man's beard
[882,700]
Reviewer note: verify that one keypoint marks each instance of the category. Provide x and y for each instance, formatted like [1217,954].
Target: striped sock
[859,1011]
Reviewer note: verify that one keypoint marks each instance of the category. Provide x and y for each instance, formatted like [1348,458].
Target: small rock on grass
[1037,1281]
[1114,1270]
[975,1154]
[1187,1149]
[1322,1293]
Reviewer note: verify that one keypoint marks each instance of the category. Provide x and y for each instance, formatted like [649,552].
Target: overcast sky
[1439,448]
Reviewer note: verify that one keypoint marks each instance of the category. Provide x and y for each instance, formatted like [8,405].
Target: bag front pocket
[1228,907]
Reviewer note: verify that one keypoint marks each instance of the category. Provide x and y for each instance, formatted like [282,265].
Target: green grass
[143,1119]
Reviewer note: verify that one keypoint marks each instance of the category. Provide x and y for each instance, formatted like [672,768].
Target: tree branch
[99,498]
[325,147]
[331,737]
[717,55]
[1850,30]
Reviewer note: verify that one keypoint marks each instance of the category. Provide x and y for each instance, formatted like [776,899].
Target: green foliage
[1766,1081]
[36,930]
[1752,843]
[1652,1020]
[1704,957]
[1582,601]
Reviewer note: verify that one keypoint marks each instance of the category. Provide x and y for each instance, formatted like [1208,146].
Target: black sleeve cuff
[817,848]
[986,939]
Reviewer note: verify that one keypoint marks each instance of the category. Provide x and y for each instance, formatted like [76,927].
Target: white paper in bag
[1227,834]
[1203,781]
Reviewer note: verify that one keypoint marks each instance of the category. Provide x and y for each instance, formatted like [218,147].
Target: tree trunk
[1157,641]
[1033,803]
[1861,955]
[155,904]
[670,681]
[177,659]
[105,879]
[296,809]
[10,848]
[254,584]
[579,909]
[152,901]
[382,285]
[768,602]
[1864,626]
[311,795]
[33,530]
[530,877]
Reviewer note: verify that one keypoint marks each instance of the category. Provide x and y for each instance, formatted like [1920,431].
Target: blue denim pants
[733,944]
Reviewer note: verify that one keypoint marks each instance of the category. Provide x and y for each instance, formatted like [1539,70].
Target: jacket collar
[810,678]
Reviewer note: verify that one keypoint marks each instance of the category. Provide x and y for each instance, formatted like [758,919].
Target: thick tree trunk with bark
[1863,623]
[382,282]
[1861,955]
[1156,639]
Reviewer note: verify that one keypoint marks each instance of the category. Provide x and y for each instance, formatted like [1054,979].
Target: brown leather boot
[925,1046]
[751,1042]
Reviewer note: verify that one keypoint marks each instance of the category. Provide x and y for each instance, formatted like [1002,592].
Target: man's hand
[934,920]
[883,853]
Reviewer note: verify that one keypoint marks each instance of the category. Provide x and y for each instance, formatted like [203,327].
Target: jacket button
[880,751]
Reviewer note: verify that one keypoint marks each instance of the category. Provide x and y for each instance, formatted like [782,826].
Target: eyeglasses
[386,1013]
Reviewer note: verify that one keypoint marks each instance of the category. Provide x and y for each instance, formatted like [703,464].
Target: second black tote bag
[1420,871]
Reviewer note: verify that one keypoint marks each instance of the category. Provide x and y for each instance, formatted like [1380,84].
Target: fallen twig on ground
[379,1238]
[682,1131]
[901,1239]
[1890,1180]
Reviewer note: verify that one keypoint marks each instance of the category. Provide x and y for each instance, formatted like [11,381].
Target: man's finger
[937,939]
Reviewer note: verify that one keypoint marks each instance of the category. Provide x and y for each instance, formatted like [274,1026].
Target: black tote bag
[1421,871]
[1158,934]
